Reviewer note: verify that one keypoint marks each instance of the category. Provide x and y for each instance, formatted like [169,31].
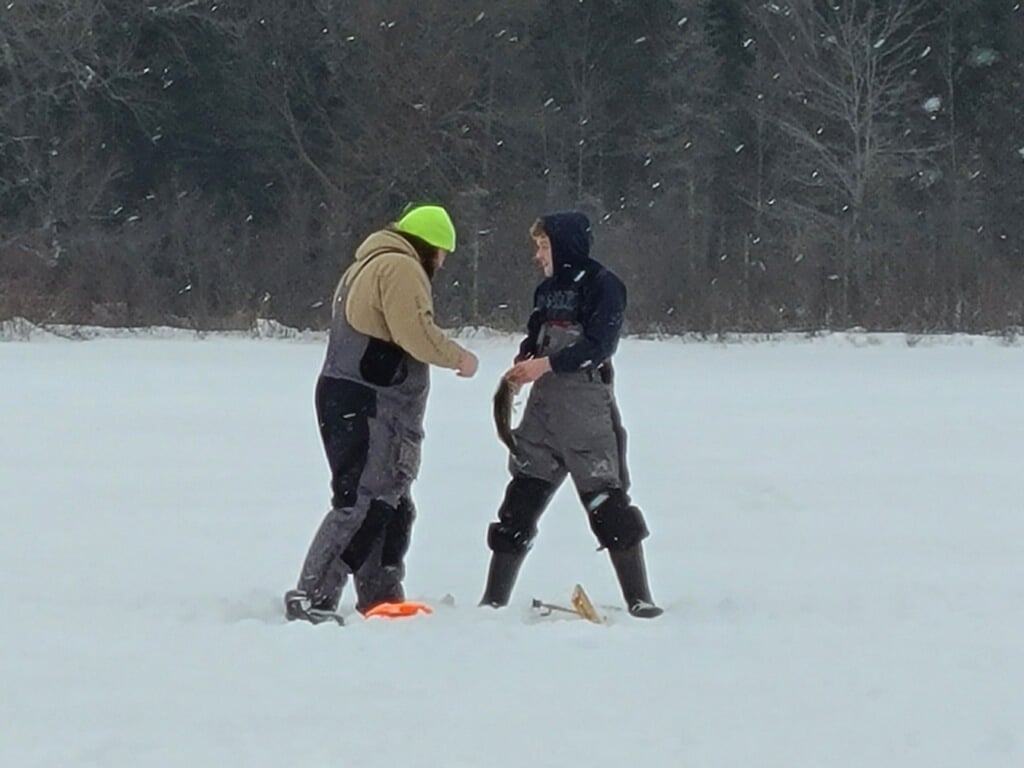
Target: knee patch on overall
[616,523]
[525,500]
[377,518]
[397,533]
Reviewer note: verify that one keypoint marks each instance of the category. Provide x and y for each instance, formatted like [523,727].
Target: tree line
[748,166]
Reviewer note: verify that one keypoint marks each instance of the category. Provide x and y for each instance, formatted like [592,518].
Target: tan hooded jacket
[390,298]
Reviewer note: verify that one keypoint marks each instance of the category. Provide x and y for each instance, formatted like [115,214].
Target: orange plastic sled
[399,610]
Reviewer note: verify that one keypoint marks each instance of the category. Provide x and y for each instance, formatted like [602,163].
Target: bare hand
[468,364]
[528,370]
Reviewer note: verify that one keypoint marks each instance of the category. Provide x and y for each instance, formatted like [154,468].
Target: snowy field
[837,534]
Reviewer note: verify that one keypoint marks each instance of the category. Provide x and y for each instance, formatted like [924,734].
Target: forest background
[748,166]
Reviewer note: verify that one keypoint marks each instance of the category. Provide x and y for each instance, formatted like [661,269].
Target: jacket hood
[569,233]
[385,240]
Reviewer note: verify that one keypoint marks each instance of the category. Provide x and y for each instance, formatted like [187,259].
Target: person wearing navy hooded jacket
[571,425]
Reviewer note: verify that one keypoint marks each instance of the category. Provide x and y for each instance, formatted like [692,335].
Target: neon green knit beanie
[430,223]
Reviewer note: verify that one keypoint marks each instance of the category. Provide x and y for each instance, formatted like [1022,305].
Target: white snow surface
[837,537]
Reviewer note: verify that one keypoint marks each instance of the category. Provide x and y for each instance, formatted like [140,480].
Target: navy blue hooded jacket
[580,291]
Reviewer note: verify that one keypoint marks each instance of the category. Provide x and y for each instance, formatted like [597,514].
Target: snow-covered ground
[837,534]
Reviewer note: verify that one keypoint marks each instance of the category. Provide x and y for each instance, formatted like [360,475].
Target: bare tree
[674,165]
[847,96]
[58,167]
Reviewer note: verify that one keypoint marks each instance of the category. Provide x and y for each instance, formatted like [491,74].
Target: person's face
[542,255]
[434,262]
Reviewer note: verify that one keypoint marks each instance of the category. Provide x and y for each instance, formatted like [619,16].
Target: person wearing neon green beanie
[370,400]
[431,223]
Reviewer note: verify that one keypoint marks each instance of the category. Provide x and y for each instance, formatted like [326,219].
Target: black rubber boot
[632,573]
[501,577]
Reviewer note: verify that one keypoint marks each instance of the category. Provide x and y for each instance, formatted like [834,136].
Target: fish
[504,396]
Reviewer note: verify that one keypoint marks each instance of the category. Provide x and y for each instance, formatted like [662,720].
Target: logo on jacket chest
[560,304]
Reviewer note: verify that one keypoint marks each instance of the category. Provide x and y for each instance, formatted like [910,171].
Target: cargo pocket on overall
[407,462]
